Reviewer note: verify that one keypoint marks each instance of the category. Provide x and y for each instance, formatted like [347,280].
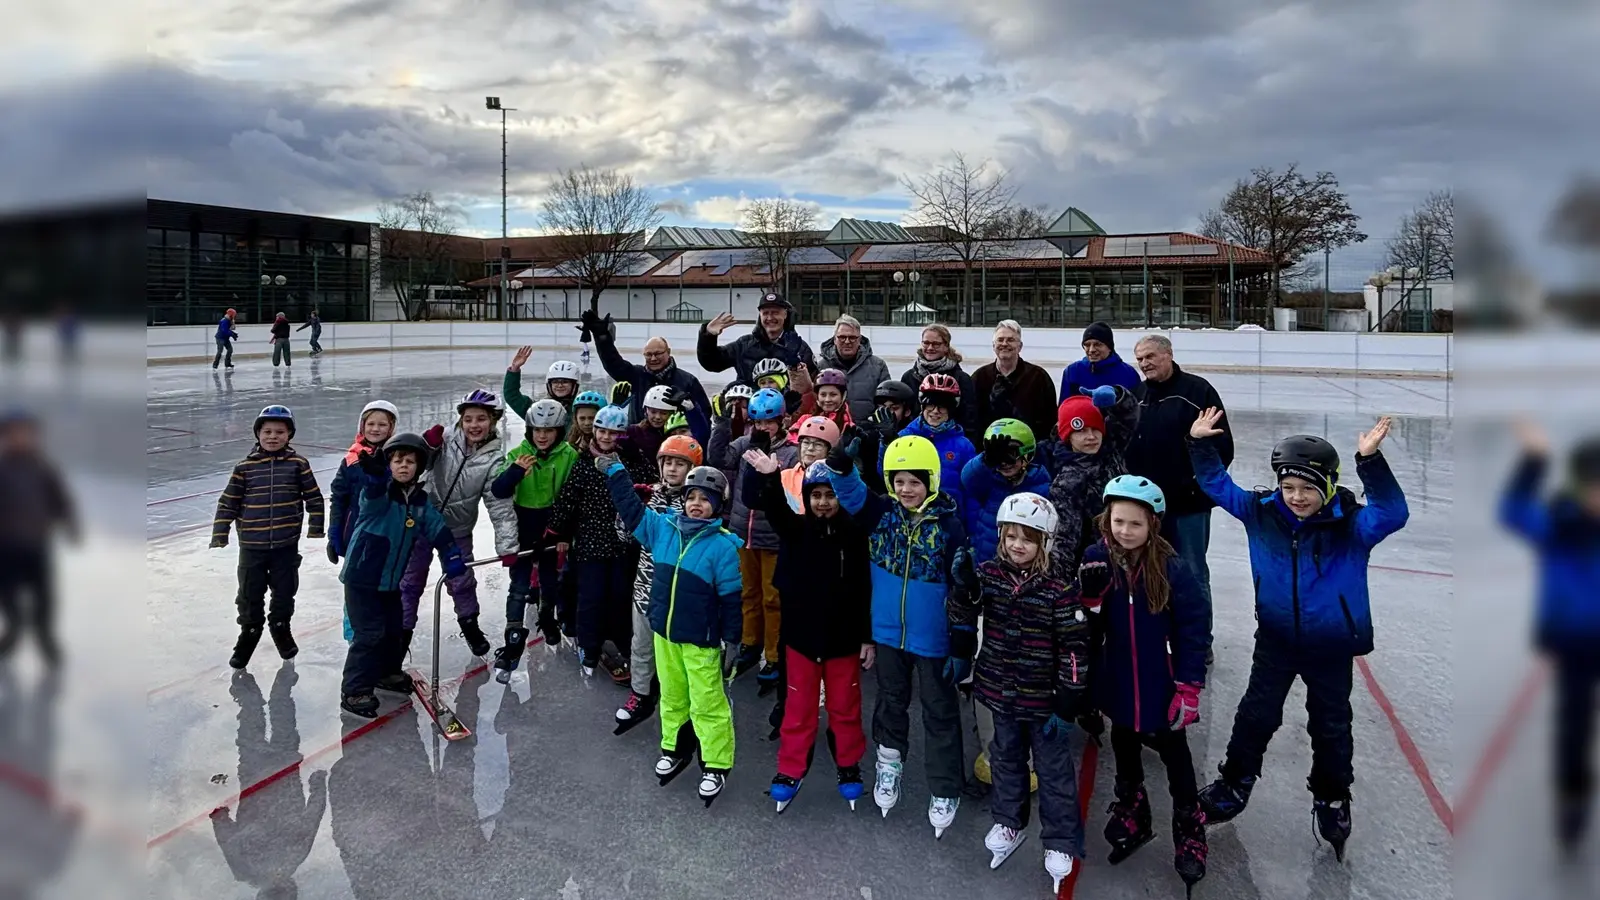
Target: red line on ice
[1408,748]
[1500,743]
[1086,773]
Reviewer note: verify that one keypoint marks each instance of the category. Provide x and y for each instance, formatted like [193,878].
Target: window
[210,240]
[177,239]
[288,247]
[358,251]
[237,243]
[153,237]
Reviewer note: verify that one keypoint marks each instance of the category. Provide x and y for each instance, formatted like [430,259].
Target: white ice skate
[1002,842]
[711,785]
[942,814]
[1059,865]
[886,793]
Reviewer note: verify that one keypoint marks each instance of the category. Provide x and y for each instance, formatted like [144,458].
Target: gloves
[333,553]
[884,423]
[1093,724]
[372,464]
[956,670]
[1103,397]
[1185,707]
[609,329]
[677,399]
[621,393]
[508,560]
[454,566]
[590,320]
[605,461]
[839,462]
[1055,726]
[717,409]
[964,644]
[219,542]
[760,440]
[434,437]
[1094,579]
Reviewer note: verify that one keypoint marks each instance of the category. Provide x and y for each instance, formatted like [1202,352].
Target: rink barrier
[1336,353]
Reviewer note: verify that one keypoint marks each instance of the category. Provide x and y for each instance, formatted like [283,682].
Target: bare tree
[777,227]
[598,218]
[963,201]
[1425,240]
[416,248]
[1286,215]
[1019,223]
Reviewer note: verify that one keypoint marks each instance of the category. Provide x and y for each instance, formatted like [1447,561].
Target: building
[202,260]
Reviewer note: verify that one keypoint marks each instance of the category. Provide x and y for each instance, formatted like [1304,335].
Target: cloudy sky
[1140,112]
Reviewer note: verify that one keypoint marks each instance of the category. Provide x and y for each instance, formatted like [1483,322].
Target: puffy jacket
[533,491]
[225,329]
[1144,654]
[642,380]
[749,524]
[1568,543]
[1085,374]
[667,500]
[914,558]
[1024,394]
[966,415]
[1036,641]
[460,477]
[269,494]
[955,451]
[695,594]
[823,574]
[1080,483]
[1159,450]
[985,490]
[391,519]
[865,372]
[344,495]
[280,330]
[586,517]
[743,354]
[1311,577]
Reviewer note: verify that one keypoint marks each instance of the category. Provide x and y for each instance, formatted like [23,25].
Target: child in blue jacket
[375,426]
[940,397]
[1565,532]
[1309,546]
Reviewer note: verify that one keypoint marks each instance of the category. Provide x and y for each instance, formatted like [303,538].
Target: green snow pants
[692,691]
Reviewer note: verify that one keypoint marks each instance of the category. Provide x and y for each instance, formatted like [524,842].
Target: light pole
[1380,281]
[516,288]
[493,103]
[909,279]
[273,281]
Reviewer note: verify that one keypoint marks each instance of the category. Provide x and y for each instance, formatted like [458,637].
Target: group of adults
[1009,387]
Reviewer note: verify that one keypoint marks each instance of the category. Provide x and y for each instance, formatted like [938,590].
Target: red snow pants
[842,675]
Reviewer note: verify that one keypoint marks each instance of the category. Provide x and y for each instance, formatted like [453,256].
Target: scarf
[924,367]
[357,450]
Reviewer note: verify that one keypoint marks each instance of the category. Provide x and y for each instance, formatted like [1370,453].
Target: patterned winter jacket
[1567,540]
[269,494]
[585,515]
[915,559]
[1034,661]
[749,524]
[1080,483]
[460,477]
[955,451]
[391,520]
[986,490]
[695,589]
[667,500]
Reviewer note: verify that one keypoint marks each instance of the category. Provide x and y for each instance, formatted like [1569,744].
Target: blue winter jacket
[1311,576]
[390,521]
[695,592]
[985,490]
[913,563]
[954,452]
[1568,543]
[225,329]
[1144,654]
[1086,374]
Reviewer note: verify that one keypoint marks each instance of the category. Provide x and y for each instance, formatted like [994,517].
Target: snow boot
[1189,846]
[283,640]
[1333,822]
[1128,827]
[249,636]
[1222,800]
[476,642]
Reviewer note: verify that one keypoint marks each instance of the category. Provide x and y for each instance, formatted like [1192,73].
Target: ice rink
[257,785]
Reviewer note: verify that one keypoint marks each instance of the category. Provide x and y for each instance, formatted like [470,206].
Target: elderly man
[851,354]
[659,368]
[773,337]
[1100,365]
[1169,400]
[1012,387]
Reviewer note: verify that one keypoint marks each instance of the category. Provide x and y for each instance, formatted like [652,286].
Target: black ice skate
[766,679]
[742,662]
[283,640]
[249,636]
[363,705]
[850,786]
[396,683]
[1222,800]
[711,784]
[507,657]
[1189,846]
[1333,823]
[634,711]
[1129,827]
[476,642]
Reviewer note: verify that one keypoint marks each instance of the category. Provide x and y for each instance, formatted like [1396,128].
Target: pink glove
[509,560]
[1185,708]
[434,437]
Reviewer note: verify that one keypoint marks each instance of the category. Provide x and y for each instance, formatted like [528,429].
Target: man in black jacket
[1169,401]
[774,337]
[660,367]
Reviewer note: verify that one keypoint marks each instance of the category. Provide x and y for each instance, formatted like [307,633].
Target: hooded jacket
[955,451]
[743,354]
[1034,661]
[749,524]
[269,495]
[460,477]
[695,592]
[344,494]
[985,490]
[584,514]
[1085,374]
[1567,541]
[391,520]
[1078,488]
[642,380]
[1159,450]
[1311,577]
[865,373]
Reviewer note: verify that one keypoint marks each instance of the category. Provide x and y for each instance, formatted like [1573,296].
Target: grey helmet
[711,481]
[547,413]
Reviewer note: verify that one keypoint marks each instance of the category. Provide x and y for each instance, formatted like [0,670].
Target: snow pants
[1328,684]
[378,648]
[642,664]
[463,588]
[762,612]
[941,715]
[798,738]
[1060,819]
[605,606]
[1577,675]
[276,569]
[1173,748]
[692,693]
[27,597]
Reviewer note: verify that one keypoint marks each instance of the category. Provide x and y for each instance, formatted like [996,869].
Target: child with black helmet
[268,496]
[1310,540]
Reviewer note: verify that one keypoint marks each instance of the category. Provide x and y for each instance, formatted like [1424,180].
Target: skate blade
[503,676]
[852,805]
[1120,854]
[938,833]
[1000,858]
[783,805]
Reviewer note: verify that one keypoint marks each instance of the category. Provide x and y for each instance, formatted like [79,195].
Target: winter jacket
[667,500]
[225,330]
[743,354]
[1311,577]
[1078,489]
[280,330]
[269,494]
[533,491]
[642,380]
[1144,654]
[695,593]
[984,491]
[1567,540]
[966,415]
[344,495]
[1084,374]
[915,558]
[315,324]
[865,372]
[1160,449]
[585,516]
[1034,661]
[459,477]
[955,450]
[647,439]
[749,524]
[823,574]
[1024,394]
[35,501]
[391,519]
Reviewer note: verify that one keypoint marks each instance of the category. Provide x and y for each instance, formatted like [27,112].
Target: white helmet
[547,413]
[380,406]
[770,366]
[656,398]
[739,391]
[562,369]
[1030,510]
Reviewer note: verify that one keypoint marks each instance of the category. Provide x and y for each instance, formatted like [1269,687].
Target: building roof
[679,237]
[866,231]
[1074,223]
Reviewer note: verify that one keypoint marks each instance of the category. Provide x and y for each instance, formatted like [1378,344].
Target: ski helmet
[383,406]
[709,481]
[547,413]
[1138,489]
[591,399]
[485,400]
[1310,457]
[682,446]
[895,391]
[739,391]
[766,404]
[822,429]
[773,368]
[817,473]
[676,421]
[274,413]
[612,418]
[940,389]
[915,454]
[408,441]
[656,398]
[1076,414]
[1030,511]
[1006,441]
[835,377]
[563,370]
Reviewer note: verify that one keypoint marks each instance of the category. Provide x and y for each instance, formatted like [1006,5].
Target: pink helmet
[835,377]
[820,428]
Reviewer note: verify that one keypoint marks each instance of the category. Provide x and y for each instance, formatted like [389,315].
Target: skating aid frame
[444,718]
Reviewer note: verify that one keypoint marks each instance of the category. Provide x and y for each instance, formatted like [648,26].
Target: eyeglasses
[1006,342]
[934,343]
[846,338]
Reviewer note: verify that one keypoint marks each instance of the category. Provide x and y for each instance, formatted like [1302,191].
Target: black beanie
[1099,331]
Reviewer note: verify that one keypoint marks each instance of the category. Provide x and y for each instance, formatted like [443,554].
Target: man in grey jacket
[851,354]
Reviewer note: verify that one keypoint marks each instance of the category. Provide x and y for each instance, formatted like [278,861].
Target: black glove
[1094,579]
[1001,451]
[964,642]
[884,423]
[839,461]
[621,393]
[760,440]
[609,329]
[590,320]
[333,553]
[372,464]
[676,398]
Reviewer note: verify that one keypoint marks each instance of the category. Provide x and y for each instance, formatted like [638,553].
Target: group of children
[1029,574]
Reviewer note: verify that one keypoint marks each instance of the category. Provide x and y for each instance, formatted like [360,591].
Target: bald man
[659,368]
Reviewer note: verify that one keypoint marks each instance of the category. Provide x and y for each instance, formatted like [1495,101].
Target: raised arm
[1385,511]
[643,523]
[1521,508]
[1122,418]
[764,492]
[1209,472]
[713,358]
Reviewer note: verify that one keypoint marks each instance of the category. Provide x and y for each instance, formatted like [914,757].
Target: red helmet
[820,428]
[835,377]
[940,389]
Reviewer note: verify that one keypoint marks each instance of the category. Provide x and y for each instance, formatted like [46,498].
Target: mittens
[434,437]
[1103,397]
[1185,707]
[454,566]
[605,461]
[508,560]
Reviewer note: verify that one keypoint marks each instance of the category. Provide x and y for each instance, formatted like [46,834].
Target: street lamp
[516,287]
[493,103]
[273,280]
[1380,281]
[909,279]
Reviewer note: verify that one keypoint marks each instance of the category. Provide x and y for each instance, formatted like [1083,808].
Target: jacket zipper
[1294,553]
[405,532]
[905,583]
[672,596]
[1133,647]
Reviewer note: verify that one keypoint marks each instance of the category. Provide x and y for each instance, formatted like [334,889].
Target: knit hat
[1099,331]
[1317,479]
[1076,414]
